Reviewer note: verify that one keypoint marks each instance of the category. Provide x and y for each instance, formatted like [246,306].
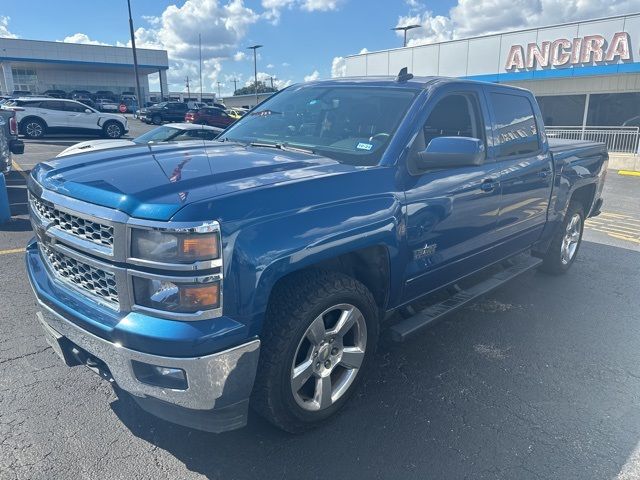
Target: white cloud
[363,51]
[285,64]
[271,65]
[83,39]
[266,78]
[312,76]
[339,67]
[320,5]
[4,28]
[221,26]
[478,17]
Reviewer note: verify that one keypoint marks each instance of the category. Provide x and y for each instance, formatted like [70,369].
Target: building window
[25,79]
[562,110]
[614,109]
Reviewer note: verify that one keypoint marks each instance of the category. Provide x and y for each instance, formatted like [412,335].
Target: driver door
[451,212]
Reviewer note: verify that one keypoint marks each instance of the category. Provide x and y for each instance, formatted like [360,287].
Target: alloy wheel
[328,357]
[571,239]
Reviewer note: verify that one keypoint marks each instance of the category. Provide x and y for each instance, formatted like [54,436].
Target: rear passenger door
[525,165]
[53,113]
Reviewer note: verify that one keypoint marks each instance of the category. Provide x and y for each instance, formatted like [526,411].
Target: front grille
[95,232]
[86,278]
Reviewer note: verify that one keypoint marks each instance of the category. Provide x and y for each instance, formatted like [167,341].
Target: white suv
[38,115]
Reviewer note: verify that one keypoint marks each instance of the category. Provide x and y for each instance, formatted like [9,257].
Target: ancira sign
[564,52]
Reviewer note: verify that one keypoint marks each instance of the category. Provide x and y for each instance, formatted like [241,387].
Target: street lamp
[404,29]
[219,90]
[255,67]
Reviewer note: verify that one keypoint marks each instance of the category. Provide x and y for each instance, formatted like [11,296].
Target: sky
[303,39]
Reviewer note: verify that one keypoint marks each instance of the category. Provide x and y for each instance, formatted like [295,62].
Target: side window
[71,107]
[456,115]
[516,132]
[51,105]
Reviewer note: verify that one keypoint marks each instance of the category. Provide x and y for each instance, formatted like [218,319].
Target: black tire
[33,127]
[156,120]
[299,301]
[553,261]
[112,129]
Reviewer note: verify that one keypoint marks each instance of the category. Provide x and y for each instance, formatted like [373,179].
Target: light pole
[404,29]
[188,90]
[219,89]
[200,72]
[235,85]
[135,57]
[255,68]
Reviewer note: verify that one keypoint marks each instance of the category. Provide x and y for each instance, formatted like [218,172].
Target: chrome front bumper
[214,381]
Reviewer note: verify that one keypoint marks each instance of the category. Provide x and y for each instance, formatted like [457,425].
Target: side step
[412,325]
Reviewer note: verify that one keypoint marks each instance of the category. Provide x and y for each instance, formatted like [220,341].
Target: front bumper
[216,398]
[218,385]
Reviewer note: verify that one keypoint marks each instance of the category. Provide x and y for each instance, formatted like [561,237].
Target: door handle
[544,173]
[488,185]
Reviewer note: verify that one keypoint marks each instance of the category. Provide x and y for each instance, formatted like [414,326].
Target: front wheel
[156,120]
[566,241]
[320,335]
[113,130]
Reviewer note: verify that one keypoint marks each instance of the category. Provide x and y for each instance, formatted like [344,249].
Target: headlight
[174,247]
[174,296]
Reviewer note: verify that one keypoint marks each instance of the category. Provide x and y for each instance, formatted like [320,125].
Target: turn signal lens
[200,247]
[200,298]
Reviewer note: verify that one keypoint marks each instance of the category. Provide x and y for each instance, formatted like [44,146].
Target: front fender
[265,252]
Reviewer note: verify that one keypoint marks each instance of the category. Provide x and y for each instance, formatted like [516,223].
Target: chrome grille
[95,232]
[94,281]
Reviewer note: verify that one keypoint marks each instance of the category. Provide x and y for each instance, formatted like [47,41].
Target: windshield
[160,134]
[351,124]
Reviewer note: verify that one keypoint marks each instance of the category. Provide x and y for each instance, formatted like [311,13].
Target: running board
[412,325]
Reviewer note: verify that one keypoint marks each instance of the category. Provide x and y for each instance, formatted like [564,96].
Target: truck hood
[92,145]
[155,181]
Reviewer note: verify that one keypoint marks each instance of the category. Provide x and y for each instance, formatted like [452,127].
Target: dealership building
[584,74]
[36,66]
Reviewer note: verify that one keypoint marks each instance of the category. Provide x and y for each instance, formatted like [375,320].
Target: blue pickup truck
[258,270]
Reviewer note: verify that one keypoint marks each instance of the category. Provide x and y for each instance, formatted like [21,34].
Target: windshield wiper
[283,146]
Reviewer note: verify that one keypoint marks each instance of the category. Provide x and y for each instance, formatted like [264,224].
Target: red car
[212,116]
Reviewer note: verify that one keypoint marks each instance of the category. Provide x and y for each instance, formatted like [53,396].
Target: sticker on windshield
[364,146]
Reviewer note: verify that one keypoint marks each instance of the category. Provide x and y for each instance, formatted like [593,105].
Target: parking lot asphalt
[539,380]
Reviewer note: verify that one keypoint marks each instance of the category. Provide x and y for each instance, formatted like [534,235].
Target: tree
[262,88]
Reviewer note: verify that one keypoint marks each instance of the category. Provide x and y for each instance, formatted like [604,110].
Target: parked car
[106,105]
[195,105]
[21,93]
[175,132]
[236,113]
[215,117]
[38,116]
[165,112]
[55,93]
[108,94]
[11,143]
[76,94]
[262,267]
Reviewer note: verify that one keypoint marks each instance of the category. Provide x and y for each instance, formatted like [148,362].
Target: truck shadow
[538,380]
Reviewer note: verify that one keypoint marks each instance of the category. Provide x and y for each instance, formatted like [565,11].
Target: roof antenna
[403,76]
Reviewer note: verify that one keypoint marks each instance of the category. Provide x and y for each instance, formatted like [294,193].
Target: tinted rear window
[516,132]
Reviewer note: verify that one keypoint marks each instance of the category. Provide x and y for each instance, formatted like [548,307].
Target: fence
[617,139]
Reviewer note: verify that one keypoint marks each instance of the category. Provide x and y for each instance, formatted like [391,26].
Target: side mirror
[451,152]
[87,110]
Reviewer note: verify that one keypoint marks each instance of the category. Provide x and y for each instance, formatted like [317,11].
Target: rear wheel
[566,241]
[33,128]
[320,336]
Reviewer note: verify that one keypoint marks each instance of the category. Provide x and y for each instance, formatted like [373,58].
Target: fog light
[159,376]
